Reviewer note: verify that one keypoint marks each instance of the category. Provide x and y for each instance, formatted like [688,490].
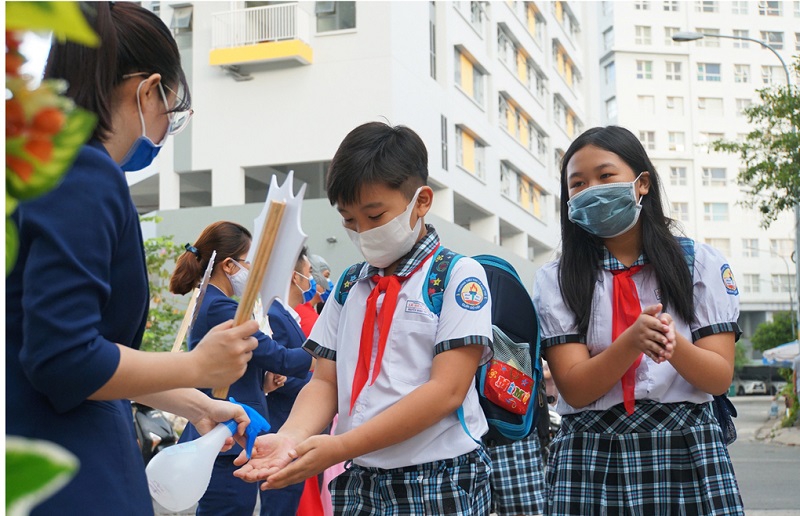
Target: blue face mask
[325,295]
[309,294]
[607,210]
[143,151]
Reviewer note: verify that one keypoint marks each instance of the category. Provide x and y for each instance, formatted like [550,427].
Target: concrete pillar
[227,185]
[487,228]
[169,182]
[517,244]
[443,204]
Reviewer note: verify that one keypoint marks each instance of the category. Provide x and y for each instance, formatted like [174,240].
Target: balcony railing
[259,25]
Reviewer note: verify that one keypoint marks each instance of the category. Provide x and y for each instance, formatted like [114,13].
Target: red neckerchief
[391,286]
[626,309]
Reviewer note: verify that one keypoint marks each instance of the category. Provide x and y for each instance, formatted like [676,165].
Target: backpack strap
[688,252]
[346,282]
[438,276]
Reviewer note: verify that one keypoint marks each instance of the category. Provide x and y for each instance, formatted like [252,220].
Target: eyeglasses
[178,119]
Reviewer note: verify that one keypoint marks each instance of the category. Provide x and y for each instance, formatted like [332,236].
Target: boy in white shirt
[395,368]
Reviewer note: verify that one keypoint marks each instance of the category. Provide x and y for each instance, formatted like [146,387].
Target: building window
[432,36]
[710,41]
[648,139]
[476,15]
[750,247]
[181,22]
[715,176]
[611,108]
[741,105]
[707,138]
[796,9]
[675,104]
[332,16]
[444,142]
[773,75]
[673,71]
[770,8]
[668,33]
[739,7]
[713,106]
[781,247]
[738,43]
[672,6]
[608,38]
[716,212]
[641,5]
[722,245]
[643,35]
[706,7]
[677,176]
[750,285]
[644,69]
[782,283]
[773,39]
[609,72]
[741,73]
[676,141]
[797,40]
[709,72]
[469,78]
[508,180]
[647,104]
[680,211]
[470,153]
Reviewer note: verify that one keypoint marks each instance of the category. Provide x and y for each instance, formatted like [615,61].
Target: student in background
[303,292]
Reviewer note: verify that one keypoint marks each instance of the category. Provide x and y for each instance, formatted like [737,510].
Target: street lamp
[681,37]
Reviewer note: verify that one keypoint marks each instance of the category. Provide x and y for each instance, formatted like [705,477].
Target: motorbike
[153,431]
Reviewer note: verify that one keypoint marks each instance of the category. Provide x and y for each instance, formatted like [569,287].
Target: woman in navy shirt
[77,298]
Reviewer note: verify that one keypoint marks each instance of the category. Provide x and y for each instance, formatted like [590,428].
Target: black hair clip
[192,249]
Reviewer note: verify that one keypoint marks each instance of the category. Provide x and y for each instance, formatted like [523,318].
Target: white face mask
[238,280]
[384,245]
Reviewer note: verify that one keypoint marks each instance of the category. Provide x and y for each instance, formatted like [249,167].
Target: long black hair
[582,252]
[132,40]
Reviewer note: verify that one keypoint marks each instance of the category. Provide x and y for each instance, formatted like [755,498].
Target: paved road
[768,474]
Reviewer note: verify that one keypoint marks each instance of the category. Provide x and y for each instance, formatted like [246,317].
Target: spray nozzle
[257,425]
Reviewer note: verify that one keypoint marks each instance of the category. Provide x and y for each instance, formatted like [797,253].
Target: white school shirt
[716,305]
[416,336]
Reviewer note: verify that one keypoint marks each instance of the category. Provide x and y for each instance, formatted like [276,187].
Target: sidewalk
[772,432]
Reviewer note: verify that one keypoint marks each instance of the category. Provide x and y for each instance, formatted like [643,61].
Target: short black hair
[376,152]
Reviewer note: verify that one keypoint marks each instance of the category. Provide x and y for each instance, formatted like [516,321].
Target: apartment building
[497,91]
[679,96]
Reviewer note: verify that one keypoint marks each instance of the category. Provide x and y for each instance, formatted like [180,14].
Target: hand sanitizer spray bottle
[179,475]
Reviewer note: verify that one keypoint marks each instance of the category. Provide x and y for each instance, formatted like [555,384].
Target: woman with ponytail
[226,494]
[77,298]
[638,327]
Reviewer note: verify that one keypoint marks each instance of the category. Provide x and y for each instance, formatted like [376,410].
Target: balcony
[270,34]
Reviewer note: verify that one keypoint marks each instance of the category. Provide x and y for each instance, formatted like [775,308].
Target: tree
[771,151]
[773,333]
[740,358]
[165,315]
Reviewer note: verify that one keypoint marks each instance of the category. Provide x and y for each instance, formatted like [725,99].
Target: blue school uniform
[286,332]
[227,494]
[79,286]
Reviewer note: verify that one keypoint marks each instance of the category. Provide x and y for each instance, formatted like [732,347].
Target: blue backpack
[516,345]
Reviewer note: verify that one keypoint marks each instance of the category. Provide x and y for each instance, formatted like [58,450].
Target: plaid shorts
[666,458]
[457,486]
[517,477]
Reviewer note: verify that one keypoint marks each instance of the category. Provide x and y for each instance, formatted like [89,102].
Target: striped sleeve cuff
[319,351]
[563,339]
[725,327]
[447,345]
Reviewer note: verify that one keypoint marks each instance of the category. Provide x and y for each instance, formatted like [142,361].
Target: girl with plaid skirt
[638,327]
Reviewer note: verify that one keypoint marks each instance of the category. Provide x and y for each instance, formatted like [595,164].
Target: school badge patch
[471,294]
[728,281]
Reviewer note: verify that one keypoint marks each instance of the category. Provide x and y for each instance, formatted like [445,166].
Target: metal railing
[259,25]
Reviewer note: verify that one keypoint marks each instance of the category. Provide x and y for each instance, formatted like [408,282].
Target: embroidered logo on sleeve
[471,294]
[728,281]
[418,307]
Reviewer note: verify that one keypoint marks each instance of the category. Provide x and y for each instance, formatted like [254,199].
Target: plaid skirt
[665,459]
[517,478]
[457,486]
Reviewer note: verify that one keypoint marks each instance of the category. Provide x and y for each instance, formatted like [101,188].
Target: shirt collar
[409,262]
[610,263]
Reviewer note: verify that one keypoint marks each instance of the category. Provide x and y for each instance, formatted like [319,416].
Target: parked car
[750,387]
[775,387]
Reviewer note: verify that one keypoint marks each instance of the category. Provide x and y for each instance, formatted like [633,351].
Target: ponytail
[188,273]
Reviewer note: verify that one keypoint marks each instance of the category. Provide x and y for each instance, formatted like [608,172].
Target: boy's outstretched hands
[280,462]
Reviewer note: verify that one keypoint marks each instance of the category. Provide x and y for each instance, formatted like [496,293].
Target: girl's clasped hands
[654,333]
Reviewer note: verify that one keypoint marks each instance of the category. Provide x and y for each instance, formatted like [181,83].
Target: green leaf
[12,245]
[77,129]
[40,468]
[64,19]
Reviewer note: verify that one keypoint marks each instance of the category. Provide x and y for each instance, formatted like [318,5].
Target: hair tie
[192,249]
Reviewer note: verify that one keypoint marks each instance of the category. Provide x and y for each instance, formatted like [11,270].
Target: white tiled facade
[677,96]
